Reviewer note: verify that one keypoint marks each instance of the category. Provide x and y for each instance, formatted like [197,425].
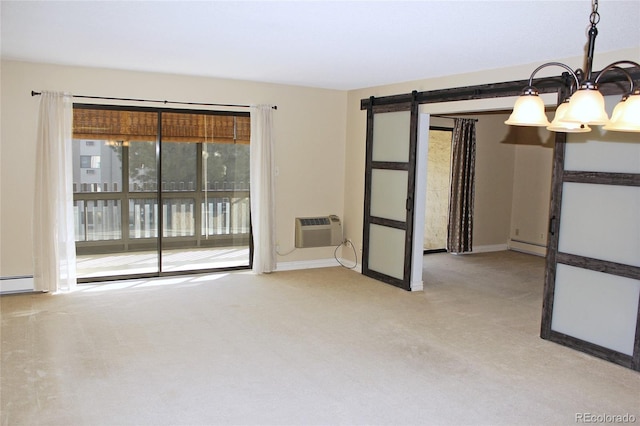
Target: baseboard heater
[319,231]
[17,284]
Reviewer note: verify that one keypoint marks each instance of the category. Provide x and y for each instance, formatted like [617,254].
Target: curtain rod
[451,118]
[34,93]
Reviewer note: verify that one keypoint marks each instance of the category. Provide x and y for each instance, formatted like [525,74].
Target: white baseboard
[318,263]
[16,284]
[520,246]
[328,263]
[528,248]
[489,248]
[306,264]
[349,265]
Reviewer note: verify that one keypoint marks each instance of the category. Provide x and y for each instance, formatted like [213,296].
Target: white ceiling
[327,44]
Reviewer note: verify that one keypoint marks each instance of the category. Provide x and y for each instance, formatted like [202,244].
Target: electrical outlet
[517,231]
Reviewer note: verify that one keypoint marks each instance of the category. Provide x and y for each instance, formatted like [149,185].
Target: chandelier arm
[559,64]
[614,66]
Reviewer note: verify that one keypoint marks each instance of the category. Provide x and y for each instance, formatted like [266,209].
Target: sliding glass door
[205,192]
[160,192]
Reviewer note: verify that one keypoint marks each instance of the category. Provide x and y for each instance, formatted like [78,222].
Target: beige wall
[494,182]
[320,147]
[531,187]
[309,127]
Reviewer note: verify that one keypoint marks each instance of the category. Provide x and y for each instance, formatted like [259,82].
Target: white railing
[97,220]
[101,220]
[136,186]
[220,216]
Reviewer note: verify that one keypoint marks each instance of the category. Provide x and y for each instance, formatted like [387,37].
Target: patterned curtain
[460,228]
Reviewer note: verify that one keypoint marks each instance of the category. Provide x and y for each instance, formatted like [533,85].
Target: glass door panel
[386,251]
[145,204]
[617,152]
[601,222]
[389,194]
[114,170]
[225,228]
[388,129]
[142,219]
[205,193]
[143,173]
[596,307]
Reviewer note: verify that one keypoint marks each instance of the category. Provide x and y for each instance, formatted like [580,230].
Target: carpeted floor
[311,347]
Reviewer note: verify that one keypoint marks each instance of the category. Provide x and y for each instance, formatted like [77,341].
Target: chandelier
[585,106]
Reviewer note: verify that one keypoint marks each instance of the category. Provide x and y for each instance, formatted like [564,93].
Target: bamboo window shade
[104,124]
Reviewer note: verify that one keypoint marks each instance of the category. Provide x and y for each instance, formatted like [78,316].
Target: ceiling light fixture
[586,105]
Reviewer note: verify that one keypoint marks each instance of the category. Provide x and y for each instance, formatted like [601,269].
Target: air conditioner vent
[310,221]
[318,231]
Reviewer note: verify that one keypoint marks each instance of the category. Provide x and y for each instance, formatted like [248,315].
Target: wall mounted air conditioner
[318,231]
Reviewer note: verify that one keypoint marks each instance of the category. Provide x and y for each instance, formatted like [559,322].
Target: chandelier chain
[594,18]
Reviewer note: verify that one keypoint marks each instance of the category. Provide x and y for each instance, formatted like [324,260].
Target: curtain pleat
[460,229]
[53,227]
[262,189]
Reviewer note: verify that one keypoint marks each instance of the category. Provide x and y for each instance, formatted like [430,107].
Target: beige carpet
[313,347]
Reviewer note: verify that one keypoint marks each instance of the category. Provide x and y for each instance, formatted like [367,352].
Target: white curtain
[53,231]
[262,189]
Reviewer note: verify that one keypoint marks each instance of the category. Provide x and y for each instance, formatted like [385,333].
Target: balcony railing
[221,213]
[153,187]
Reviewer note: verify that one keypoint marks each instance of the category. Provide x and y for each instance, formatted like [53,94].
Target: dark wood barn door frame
[610,84]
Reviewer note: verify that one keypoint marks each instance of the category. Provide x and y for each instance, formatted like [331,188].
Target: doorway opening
[438,189]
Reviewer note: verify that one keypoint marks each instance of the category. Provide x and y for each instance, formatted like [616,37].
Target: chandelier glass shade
[560,125]
[528,111]
[625,115]
[586,104]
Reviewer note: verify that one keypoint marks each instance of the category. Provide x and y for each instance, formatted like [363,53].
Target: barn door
[592,285]
[390,201]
